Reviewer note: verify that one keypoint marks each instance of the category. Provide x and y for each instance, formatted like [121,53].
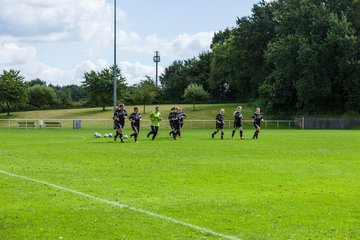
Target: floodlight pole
[114,56]
[156,59]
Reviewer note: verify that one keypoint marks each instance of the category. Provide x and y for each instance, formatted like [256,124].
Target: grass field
[289,184]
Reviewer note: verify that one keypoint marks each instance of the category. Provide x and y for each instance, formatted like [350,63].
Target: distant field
[289,184]
[93,118]
[203,111]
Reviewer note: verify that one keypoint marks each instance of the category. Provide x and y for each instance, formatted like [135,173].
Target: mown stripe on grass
[124,206]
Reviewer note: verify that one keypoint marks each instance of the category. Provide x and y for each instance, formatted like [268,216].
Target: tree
[42,96]
[36,81]
[12,89]
[145,91]
[77,93]
[174,81]
[195,92]
[99,86]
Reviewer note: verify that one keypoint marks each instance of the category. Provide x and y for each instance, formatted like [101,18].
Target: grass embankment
[202,112]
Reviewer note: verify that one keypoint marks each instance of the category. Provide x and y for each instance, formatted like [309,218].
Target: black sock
[233,132]
[241,133]
[222,135]
[135,137]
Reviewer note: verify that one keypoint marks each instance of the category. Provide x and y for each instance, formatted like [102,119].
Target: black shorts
[135,127]
[256,126]
[219,125]
[176,127]
[181,124]
[238,124]
[118,125]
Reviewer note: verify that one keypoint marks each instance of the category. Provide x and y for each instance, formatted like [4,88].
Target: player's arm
[115,117]
[131,119]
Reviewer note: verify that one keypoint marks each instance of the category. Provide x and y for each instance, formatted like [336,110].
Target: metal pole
[114,69]
[156,73]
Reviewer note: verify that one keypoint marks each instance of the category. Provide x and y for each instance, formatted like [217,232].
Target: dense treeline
[289,56]
[96,90]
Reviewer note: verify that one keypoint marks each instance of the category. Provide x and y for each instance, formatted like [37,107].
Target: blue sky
[57,40]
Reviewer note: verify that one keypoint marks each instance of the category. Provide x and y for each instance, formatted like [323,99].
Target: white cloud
[27,24]
[183,46]
[134,72]
[25,59]
[61,20]
[12,54]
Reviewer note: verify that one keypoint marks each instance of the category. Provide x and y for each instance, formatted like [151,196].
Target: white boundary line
[124,206]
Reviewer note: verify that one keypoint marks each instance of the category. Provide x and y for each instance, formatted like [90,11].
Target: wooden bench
[52,124]
[25,124]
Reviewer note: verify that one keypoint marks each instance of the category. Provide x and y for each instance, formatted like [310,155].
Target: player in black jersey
[257,118]
[171,120]
[238,123]
[119,121]
[135,118]
[175,122]
[182,116]
[219,124]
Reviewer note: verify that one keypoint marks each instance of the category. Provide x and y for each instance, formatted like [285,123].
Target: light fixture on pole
[114,69]
[156,59]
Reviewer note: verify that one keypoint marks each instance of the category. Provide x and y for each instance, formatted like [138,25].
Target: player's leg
[241,133]
[176,131]
[172,129]
[152,131]
[216,131]
[137,133]
[257,132]
[116,126]
[156,129]
[257,129]
[222,133]
[120,131]
[233,131]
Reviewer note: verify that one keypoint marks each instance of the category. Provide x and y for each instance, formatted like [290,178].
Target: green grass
[289,184]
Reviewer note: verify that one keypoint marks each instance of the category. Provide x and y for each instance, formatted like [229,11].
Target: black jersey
[238,117]
[119,116]
[135,118]
[182,116]
[257,118]
[174,118]
[220,118]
